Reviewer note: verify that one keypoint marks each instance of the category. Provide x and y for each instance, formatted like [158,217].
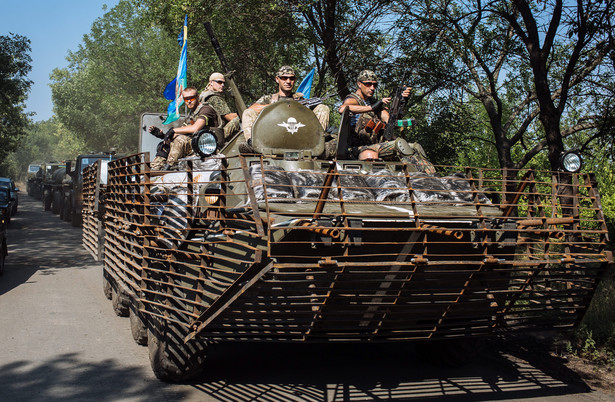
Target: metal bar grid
[475,253]
[92,232]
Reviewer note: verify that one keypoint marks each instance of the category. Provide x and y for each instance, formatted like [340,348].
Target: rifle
[397,108]
[311,103]
[239,103]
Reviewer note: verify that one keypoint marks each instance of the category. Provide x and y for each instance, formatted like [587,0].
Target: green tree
[14,87]
[257,37]
[119,71]
[536,83]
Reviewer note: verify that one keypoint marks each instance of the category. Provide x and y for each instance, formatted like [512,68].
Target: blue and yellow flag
[174,89]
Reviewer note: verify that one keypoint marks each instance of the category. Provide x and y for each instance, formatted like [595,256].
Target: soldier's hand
[168,137]
[377,107]
[156,132]
[407,92]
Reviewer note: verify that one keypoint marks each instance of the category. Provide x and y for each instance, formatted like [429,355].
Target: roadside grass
[594,339]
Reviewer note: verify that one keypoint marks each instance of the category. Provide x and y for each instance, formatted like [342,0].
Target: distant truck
[70,194]
[43,185]
[33,168]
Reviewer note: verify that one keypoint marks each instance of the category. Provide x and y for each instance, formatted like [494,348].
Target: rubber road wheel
[56,203]
[47,200]
[2,259]
[107,288]
[138,327]
[171,359]
[120,303]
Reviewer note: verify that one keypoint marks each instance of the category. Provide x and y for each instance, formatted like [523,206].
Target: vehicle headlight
[204,143]
[571,162]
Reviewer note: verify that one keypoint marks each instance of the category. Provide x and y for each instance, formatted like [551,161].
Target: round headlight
[571,162]
[204,143]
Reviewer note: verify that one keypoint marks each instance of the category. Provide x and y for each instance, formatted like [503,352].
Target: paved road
[60,340]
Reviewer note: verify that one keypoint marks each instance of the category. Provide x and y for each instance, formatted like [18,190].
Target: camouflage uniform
[249,115]
[181,145]
[217,102]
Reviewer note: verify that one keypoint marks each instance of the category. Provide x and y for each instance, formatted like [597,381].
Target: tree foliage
[119,71]
[256,36]
[532,67]
[14,87]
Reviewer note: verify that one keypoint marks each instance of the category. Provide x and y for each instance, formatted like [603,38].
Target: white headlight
[204,143]
[571,162]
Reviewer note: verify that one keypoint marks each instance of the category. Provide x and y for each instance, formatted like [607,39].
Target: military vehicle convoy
[69,195]
[43,183]
[282,246]
[33,168]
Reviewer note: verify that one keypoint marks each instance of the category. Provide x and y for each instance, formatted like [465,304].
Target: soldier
[368,119]
[180,137]
[368,116]
[212,95]
[285,78]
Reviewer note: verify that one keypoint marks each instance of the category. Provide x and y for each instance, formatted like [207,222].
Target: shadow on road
[40,241]
[66,377]
[239,372]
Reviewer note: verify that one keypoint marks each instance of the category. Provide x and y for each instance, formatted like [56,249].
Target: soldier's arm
[200,122]
[354,107]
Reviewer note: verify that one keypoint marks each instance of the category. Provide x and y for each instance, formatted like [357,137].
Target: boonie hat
[367,75]
[285,70]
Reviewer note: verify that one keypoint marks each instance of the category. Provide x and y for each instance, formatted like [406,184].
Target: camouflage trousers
[249,117]
[231,128]
[399,149]
[385,150]
[180,148]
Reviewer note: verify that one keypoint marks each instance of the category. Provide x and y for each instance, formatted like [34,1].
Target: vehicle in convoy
[70,193]
[44,182]
[5,218]
[9,184]
[281,246]
[33,168]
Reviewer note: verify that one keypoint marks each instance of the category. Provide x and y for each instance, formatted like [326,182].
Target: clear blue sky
[54,27]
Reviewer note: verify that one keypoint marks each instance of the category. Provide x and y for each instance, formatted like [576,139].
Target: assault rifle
[398,106]
[239,103]
[313,102]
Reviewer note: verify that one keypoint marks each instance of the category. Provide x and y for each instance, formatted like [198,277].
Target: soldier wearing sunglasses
[178,139]
[213,95]
[285,78]
[369,116]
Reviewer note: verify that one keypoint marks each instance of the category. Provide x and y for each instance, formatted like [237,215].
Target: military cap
[367,75]
[285,70]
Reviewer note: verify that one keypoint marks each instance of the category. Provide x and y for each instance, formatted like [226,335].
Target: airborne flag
[174,89]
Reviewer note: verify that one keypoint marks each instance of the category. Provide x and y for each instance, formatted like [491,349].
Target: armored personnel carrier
[282,246]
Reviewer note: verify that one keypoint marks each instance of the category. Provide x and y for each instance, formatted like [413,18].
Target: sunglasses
[287,78]
[219,82]
[370,84]
[189,98]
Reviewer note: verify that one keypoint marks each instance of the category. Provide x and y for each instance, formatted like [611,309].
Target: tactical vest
[203,99]
[359,121]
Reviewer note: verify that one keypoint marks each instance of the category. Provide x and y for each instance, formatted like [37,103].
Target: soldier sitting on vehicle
[368,121]
[285,78]
[179,138]
[213,96]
